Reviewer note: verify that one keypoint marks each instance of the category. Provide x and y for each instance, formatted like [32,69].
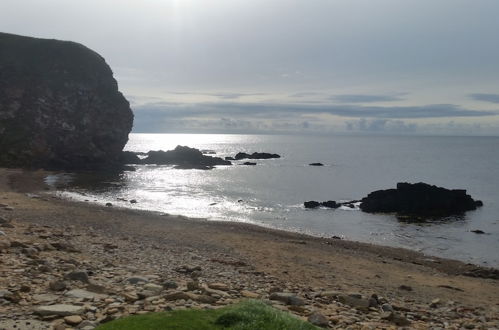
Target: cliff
[60,107]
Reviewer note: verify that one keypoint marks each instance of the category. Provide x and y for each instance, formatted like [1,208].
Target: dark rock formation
[316,164]
[249,163]
[311,204]
[129,157]
[183,158]
[419,199]
[255,155]
[327,204]
[331,204]
[59,106]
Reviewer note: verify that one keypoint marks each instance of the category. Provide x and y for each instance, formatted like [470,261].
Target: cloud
[306,94]
[492,98]
[220,95]
[380,125]
[276,110]
[365,98]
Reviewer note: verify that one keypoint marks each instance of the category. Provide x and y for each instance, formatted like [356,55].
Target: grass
[247,315]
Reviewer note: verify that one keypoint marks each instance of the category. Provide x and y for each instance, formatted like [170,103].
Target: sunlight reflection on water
[272,193]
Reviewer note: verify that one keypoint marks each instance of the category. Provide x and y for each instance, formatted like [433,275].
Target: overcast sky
[328,66]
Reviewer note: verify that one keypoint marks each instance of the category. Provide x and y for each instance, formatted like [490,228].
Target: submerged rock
[60,107]
[419,199]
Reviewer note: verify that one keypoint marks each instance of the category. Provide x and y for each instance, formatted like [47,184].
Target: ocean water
[272,193]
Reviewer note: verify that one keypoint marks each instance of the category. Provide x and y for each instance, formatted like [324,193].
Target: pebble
[73,319]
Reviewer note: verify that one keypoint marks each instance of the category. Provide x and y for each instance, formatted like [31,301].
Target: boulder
[311,204]
[255,155]
[315,164]
[184,158]
[330,204]
[60,107]
[419,199]
[249,163]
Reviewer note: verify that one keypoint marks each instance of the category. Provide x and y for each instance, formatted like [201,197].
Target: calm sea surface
[272,193]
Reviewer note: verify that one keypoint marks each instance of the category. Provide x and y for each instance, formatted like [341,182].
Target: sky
[288,66]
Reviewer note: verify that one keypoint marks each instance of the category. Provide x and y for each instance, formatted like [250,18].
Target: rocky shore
[71,265]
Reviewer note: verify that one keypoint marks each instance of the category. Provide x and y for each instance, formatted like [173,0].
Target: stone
[78,275]
[318,319]
[355,301]
[249,163]
[419,199]
[180,295]
[84,294]
[170,285]
[315,164]
[287,298]
[405,287]
[387,308]
[153,287]
[30,252]
[73,319]
[4,244]
[45,297]
[64,246]
[249,294]
[137,279]
[130,296]
[205,299]
[25,288]
[434,303]
[59,310]
[61,108]
[193,285]
[395,318]
[10,296]
[86,324]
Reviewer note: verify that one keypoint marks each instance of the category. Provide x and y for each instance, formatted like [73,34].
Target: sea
[271,194]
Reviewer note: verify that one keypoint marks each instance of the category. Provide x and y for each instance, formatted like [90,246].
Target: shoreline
[263,257]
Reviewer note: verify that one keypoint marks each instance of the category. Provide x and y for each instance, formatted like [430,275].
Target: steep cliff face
[59,106]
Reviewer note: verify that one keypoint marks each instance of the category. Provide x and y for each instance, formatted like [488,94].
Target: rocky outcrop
[255,155]
[419,199]
[60,107]
[182,157]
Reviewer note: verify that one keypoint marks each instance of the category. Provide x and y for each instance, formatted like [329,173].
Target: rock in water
[419,199]
[256,155]
[60,107]
[184,157]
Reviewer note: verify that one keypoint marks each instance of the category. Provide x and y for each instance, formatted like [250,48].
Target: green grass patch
[247,315]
